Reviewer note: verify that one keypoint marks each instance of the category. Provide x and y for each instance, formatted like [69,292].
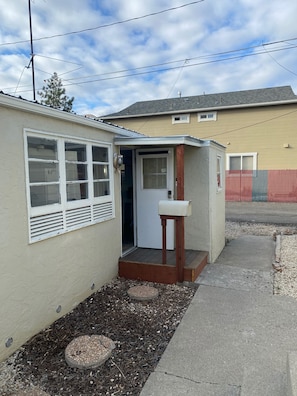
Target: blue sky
[112,53]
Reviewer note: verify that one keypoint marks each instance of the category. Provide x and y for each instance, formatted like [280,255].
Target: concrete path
[235,336]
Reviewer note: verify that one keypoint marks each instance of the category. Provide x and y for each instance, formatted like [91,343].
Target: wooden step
[145,265]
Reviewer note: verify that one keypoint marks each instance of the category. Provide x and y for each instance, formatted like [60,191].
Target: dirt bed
[140,330]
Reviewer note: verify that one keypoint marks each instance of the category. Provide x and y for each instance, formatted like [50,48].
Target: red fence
[268,186]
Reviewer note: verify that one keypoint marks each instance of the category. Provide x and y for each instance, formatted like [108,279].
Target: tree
[53,94]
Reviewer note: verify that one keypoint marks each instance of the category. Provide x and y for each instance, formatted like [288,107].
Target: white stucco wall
[60,271]
[205,229]
[197,190]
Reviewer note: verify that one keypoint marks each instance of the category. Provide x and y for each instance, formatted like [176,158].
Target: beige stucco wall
[263,130]
[205,229]
[37,278]
[216,203]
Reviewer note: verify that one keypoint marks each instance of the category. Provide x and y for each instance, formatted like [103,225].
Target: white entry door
[154,182]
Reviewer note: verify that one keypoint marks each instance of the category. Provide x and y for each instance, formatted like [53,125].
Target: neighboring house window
[209,116]
[219,173]
[181,119]
[69,184]
[241,161]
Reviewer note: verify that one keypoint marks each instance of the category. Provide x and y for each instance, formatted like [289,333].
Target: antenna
[32,52]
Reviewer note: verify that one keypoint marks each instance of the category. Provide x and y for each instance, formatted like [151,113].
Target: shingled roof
[253,97]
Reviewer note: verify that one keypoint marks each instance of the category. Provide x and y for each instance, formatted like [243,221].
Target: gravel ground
[141,331]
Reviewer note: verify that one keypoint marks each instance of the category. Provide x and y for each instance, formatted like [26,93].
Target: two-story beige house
[257,127]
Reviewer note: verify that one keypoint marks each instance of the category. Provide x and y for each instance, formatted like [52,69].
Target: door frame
[149,230]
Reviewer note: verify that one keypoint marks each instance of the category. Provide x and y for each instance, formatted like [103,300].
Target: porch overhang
[177,140]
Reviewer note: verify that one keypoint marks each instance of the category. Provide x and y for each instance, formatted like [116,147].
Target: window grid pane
[77,191]
[235,163]
[41,148]
[247,163]
[44,195]
[101,188]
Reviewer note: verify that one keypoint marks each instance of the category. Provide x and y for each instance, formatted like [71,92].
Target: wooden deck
[146,265]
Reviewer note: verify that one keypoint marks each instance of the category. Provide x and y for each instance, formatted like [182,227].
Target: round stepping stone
[143,293]
[88,351]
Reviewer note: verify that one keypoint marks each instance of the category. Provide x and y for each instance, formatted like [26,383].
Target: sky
[110,54]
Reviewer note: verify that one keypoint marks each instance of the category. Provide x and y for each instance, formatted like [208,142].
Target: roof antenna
[32,52]
[179,94]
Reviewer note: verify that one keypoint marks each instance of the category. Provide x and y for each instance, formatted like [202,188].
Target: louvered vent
[102,211]
[78,217]
[46,225]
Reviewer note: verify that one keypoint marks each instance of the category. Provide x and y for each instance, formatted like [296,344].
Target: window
[219,173]
[181,119]
[209,116]
[154,173]
[242,162]
[69,184]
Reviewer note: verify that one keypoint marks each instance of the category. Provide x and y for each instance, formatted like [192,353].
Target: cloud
[109,68]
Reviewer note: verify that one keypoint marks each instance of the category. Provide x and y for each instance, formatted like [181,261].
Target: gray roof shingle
[210,101]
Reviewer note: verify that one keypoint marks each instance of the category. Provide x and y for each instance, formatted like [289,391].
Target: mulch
[141,330]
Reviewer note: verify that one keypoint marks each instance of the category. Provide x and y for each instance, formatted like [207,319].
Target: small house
[78,195]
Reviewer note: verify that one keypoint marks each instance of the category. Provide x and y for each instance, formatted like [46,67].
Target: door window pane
[155,173]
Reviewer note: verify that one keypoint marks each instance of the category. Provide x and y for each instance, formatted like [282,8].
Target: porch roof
[176,140]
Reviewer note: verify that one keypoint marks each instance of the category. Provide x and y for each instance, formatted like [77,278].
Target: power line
[250,125]
[186,65]
[188,60]
[106,25]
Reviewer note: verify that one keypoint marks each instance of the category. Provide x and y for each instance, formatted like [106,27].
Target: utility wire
[250,125]
[166,68]
[282,66]
[106,25]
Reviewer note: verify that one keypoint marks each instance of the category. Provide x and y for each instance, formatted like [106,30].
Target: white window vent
[103,211]
[46,225]
[78,217]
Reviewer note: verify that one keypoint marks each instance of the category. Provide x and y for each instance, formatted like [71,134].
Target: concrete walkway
[235,336]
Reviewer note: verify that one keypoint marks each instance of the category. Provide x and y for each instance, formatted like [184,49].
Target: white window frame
[207,116]
[219,173]
[181,119]
[68,215]
[254,155]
